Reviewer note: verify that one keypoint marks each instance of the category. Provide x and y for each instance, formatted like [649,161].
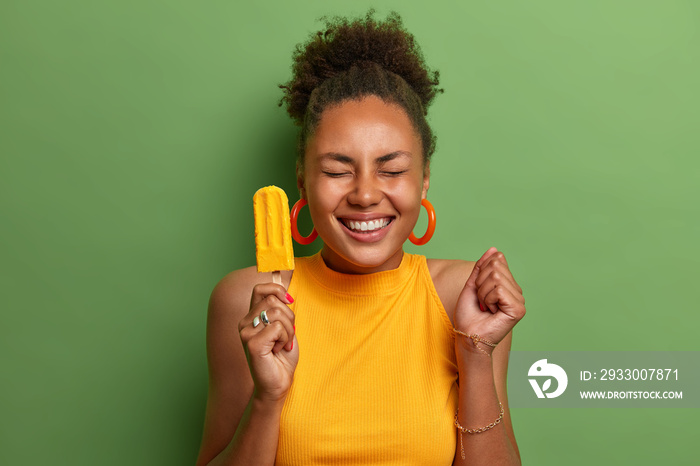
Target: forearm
[479,407]
[255,440]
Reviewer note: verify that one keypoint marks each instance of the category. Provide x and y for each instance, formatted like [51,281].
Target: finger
[262,290]
[268,302]
[498,270]
[264,342]
[247,332]
[497,262]
[282,338]
[484,258]
[476,271]
[471,281]
[280,316]
[272,302]
[496,256]
[501,299]
[495,278]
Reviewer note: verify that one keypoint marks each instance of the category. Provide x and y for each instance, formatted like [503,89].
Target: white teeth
[367,226]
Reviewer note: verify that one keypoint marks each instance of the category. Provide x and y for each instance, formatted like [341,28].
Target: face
[364,180]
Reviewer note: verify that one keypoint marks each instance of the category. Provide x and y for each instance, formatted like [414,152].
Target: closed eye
[335,174]
[394,173]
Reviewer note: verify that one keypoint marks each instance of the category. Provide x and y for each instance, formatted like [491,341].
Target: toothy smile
[366,226]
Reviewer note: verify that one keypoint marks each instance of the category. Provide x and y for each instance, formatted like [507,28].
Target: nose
[365,191]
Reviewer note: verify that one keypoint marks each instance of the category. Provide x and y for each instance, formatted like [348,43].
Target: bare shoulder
[228,292]
[449,277]
[231,295]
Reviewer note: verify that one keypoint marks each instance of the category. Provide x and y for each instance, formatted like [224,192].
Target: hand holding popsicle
[491,302]
[271,349]
[267,331]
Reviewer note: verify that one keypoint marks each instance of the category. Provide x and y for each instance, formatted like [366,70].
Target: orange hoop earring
[295,231]
[431,225]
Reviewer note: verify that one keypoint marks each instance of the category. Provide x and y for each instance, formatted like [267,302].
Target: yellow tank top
[376,381]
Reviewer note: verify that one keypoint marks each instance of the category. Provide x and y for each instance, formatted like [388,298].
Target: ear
[426,180]
[300,181]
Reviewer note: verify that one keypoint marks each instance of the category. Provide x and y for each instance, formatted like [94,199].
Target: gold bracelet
[464,430]
[476,339]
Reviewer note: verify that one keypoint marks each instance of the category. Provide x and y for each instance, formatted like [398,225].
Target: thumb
[489,252]
[471,281]
[468,295]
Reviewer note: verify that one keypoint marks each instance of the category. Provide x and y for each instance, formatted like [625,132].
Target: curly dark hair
[354,59]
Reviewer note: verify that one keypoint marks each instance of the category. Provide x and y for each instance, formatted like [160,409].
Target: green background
[133,135]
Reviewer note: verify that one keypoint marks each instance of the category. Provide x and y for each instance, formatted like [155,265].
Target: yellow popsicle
[273,232]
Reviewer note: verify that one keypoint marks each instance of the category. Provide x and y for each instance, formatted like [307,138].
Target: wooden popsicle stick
[277,277]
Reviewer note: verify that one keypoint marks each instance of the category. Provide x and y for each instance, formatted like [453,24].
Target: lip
[365,217]
[367,237]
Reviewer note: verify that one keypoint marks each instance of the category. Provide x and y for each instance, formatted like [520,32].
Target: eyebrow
[349,160]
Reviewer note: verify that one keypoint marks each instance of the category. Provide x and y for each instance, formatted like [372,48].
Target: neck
[339,264]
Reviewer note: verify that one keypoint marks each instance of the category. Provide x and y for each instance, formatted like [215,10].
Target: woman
[371,355]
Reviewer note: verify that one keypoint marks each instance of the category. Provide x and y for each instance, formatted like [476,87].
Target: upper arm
[230,383]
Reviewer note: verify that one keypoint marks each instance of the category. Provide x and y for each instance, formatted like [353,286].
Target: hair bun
[362,42]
